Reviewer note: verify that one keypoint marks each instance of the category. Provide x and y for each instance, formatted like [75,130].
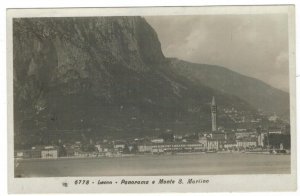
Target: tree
[168,136]
[126,149]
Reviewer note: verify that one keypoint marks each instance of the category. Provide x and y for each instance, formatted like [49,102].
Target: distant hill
[99,77]
[255,92]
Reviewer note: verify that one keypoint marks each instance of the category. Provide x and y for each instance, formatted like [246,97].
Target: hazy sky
[254,45]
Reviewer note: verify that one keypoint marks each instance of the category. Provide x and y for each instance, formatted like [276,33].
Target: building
[119,146]
[231,145]
[70,152]
[208,143]
[106,147]
[275,132]
[178,137]
[260,139]
[214,115]
[245,134]
[98,147]
[19,154]
[203,140]
[37,152]
[212,144]
[230,136]
[49,153]
[145,148]
[33,153]
[220,137]
[171,147]
[78,153]
[246,143]
[216,138]
[157,140]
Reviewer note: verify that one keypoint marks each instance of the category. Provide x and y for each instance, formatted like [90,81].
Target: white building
[49,153]
[230,145]
[203,140]
[246,143]
[157,140]
[170,147]
[275,132]
[212,145]
[208,143]
[260,139]
[19,154]
[144,148]
[98,147]
[119,146]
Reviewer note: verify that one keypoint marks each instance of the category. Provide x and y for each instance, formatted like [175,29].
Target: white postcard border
[217,183]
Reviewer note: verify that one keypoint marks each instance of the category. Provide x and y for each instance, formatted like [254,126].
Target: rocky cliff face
[87,73]
[59,50]
[103,76]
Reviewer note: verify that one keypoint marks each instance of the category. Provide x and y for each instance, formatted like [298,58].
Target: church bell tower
[213,115]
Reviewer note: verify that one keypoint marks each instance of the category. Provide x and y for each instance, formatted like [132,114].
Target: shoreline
[152,155]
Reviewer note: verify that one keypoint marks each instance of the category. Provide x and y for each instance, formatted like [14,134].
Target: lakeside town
[273,140]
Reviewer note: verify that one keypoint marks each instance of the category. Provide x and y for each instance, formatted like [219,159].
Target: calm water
[200,164]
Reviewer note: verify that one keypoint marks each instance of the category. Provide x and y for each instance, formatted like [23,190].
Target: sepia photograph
[181,93]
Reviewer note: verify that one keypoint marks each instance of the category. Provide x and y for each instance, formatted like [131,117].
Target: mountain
[99,77]
[257,93]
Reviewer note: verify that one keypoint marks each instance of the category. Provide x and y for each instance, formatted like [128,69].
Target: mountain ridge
[236,84]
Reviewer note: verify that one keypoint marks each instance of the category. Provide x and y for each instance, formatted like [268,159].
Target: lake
[152,165]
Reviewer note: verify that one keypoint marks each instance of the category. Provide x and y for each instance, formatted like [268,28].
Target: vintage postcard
[151,99]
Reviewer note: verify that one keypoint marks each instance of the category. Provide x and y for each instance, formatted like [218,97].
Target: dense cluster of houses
[206,142]
[203,142]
